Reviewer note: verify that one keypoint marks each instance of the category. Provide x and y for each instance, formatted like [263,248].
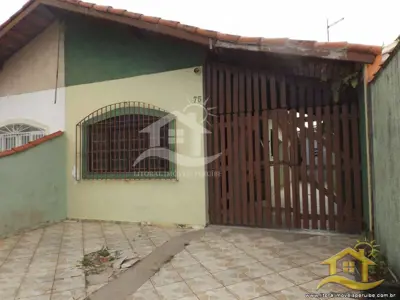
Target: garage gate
[290,154]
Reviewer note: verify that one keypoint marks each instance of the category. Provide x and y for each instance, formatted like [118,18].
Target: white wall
[34,67]
[35,108]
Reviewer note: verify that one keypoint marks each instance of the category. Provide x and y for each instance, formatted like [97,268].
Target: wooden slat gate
[289,154]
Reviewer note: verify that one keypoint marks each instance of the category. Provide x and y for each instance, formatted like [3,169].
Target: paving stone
[42,264]
[96,279]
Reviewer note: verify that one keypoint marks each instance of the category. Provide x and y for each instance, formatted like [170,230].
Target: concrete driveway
[225,263]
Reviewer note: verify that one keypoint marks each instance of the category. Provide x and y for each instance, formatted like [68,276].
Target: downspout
[367,138]
[60,30]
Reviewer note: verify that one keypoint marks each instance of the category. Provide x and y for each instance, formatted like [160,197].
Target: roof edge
[327,50]
[18,16]
[31,144]
[382,60]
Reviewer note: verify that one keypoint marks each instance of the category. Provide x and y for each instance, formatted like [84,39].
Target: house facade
[153,70]
[104,76]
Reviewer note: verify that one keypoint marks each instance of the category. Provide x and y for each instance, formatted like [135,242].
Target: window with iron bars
[130,140]
[15,135]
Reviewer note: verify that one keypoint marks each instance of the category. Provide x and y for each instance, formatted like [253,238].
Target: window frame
[120,111]
[18,137]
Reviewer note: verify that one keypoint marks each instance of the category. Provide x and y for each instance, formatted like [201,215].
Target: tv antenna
[328,26]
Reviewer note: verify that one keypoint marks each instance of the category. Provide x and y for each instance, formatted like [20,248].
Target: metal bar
[131,128]
[112,131]
[77,145]
[96,127]
[138,121]
[116,135]
[102,141]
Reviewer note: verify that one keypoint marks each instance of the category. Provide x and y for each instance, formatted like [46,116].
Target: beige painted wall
[181,201]
[34,67]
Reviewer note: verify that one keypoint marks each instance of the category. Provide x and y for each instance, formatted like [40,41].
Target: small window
[15,135]
[128,143]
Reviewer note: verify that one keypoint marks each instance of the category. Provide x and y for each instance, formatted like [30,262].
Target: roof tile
[362,52]
[168,23]
[380,59]
[188,28]
[302,43]
[274,41]
[149,19]
[249,40]
[86,4]
[117,11]
[331,45]
[132,15]
[101,8]
[376,50]
[228,37]
[207,33]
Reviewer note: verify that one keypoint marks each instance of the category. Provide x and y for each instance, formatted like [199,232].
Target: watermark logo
[193,118]
[349,267]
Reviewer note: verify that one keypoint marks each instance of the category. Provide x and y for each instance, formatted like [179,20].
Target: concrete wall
[28,83]
[385,93]
[33,186]
[37,109]
[181,201]
[34,67]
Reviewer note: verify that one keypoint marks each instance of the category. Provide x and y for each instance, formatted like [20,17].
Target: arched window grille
[15,135]
[128,140]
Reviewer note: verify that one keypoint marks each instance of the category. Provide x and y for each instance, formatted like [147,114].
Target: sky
[365,21]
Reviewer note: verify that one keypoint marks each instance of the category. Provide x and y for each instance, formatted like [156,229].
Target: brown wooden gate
[290,154]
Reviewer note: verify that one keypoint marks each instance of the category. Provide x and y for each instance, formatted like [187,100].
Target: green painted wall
[385,93]
[33,186]
[97,51]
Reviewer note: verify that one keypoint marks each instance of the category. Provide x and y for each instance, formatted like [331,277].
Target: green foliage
[103,252]
[96,262]
[371,250]
[351,79]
